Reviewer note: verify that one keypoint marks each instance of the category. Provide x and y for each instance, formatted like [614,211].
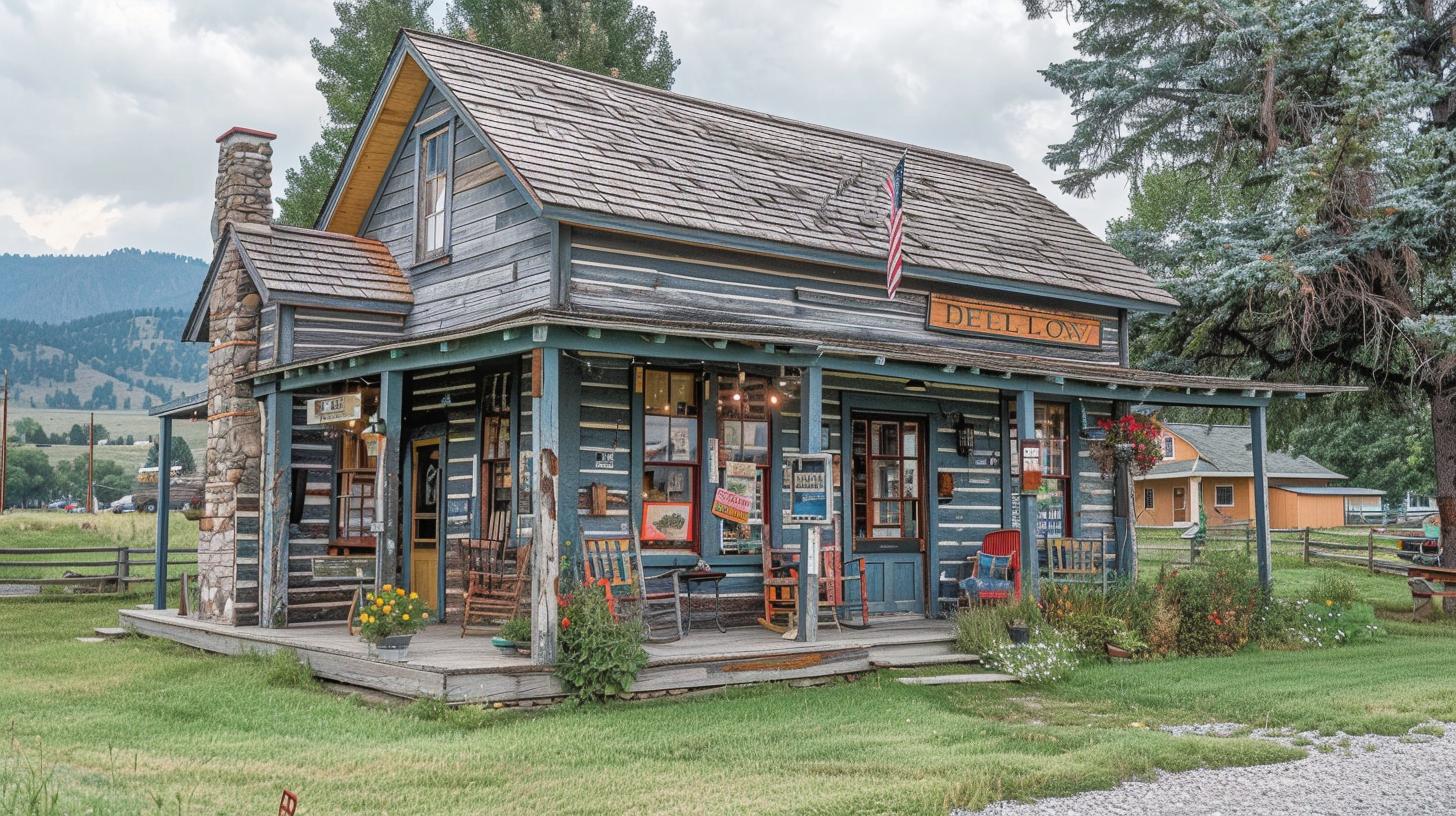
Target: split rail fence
[119,567]
[1370,554]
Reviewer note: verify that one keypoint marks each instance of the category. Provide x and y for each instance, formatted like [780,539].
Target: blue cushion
[994,567]
[975,586]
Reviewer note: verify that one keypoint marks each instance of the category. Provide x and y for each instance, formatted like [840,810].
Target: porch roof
[188,406]
[1117,380]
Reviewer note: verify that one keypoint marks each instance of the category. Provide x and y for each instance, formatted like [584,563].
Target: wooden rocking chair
[619,562]
[1080,561]
[494,583]
[781,588]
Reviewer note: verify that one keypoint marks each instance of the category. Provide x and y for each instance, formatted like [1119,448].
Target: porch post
[1030,560]
[164,500]
[275,506]
[811,420]
[545,442]
[1261,497]
[389,497]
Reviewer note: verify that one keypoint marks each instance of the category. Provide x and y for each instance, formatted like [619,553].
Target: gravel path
[1342,776]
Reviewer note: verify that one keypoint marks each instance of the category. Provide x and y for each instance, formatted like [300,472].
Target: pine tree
[1332,120]
[614,37]
[349,68]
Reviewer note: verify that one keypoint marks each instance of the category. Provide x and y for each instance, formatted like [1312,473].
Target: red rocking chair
[1000,543]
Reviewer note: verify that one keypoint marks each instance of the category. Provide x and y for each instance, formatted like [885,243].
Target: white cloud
[120,101]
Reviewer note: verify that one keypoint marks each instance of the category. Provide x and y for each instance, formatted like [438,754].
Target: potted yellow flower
[390,619]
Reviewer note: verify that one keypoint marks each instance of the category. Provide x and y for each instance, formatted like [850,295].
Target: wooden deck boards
[469,670]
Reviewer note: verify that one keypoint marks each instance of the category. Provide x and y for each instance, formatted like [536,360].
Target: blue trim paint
[164,502]
[1030,559]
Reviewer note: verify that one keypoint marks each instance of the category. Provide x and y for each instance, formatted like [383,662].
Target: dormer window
[432,227]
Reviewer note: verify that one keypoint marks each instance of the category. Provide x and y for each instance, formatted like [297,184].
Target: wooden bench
[1427,584]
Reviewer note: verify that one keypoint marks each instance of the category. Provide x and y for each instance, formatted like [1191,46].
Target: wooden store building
[543,306]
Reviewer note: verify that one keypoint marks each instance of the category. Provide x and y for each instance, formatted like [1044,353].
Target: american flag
[895,186]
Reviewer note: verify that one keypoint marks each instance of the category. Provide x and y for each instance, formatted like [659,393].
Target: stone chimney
[229,527]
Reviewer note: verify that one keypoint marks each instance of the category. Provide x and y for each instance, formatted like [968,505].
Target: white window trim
[447,131]
[1232,497]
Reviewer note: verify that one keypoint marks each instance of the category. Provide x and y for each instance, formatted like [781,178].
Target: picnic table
[1427,584]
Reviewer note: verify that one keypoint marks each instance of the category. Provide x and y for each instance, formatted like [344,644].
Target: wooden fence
[1236,538]
[117,565]
[1370,554]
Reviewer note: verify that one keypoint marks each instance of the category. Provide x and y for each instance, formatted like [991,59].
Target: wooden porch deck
[469,670]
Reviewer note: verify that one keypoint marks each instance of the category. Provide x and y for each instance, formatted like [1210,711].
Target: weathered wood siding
[315,455]
[323,332]
[267,335]
[645,279]
[499,258]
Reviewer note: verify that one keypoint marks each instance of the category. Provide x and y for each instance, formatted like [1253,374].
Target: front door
[426,482]
[889,474]
[1180,505]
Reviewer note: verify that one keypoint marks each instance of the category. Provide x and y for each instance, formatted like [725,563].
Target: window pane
[911,510]
[911,440]
[886,483]
[682,439]
[655,438]
[887,514]
[684,394]
[654,396]
[886,439]
[912,479]
[666,483]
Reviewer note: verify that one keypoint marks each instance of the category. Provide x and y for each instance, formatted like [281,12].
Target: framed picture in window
[667,521]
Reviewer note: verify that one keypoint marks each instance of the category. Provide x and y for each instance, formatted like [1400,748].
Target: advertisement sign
[339,408]
[734,500]
[811,499]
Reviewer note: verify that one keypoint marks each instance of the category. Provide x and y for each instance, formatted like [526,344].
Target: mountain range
[99,331]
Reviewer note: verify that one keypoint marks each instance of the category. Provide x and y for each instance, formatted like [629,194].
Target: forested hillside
[58,288]
[121,360]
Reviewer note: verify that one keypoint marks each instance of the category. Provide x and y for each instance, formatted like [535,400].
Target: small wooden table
[690,578]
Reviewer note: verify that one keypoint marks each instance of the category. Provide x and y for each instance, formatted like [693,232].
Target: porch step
[913,661]
[957,679]
[110,632]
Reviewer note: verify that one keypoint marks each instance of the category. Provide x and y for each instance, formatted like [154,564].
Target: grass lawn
[141,726]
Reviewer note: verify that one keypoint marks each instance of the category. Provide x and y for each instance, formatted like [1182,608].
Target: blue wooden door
[889,472]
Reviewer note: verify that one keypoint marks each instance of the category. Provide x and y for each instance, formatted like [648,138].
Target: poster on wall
[734,500]
[811,498]
[667,521]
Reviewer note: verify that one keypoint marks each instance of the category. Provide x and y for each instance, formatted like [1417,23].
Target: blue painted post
[1261,496]
[1030,559]
[811,420]
[545,442]
[275,505]
[389,499]
[164,500]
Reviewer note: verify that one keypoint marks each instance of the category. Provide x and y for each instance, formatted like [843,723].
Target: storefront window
[743,434]
[1052,499]
[670,453]
[888,475]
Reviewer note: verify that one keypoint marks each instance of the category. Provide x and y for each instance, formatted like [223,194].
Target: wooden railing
[1368,554]
[116,566]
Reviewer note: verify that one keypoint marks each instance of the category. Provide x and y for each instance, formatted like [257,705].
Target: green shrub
[600,656]
[1090,632]
[1333,587]
[1216,607]
[517,629]
[1047,659]
[982,628]
[1335,624]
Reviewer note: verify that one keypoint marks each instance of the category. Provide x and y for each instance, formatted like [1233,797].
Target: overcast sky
[114,104]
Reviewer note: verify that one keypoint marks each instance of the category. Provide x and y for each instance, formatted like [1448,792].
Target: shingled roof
[584,142]
[290,261]
[1227,450]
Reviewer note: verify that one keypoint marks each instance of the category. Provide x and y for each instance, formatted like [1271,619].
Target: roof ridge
[721,106]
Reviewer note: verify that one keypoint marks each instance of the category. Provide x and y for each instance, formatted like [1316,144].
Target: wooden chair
[999,543]
[495,582]
[619,561]
[781,587]
[1080,561]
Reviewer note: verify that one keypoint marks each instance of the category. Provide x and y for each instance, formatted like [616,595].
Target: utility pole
[4,436]
[91,464]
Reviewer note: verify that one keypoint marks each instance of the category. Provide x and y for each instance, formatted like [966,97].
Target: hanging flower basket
[1129,439]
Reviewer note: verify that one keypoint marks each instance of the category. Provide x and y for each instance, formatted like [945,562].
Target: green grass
[146,726]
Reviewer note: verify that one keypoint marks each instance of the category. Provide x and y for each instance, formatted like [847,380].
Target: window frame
[1169,446]
[1149,499]
[1050,448]
[447,132]
[1232,497]
[727,383]
[862,465]
[692,466]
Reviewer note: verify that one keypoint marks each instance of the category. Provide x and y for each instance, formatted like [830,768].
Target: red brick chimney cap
[237,130]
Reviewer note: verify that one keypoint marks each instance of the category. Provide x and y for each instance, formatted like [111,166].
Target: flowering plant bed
[1136,436]
[393,611]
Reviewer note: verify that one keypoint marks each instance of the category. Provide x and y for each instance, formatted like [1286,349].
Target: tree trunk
[1443,431]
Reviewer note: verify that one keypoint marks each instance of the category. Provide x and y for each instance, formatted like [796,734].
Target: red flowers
[566,623]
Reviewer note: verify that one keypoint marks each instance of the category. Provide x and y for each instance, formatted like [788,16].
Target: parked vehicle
[183,490]
[125,504]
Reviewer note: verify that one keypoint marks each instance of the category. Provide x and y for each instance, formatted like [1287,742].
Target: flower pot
[1020,633]
[1118,652]
[392,649]
[505,645]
